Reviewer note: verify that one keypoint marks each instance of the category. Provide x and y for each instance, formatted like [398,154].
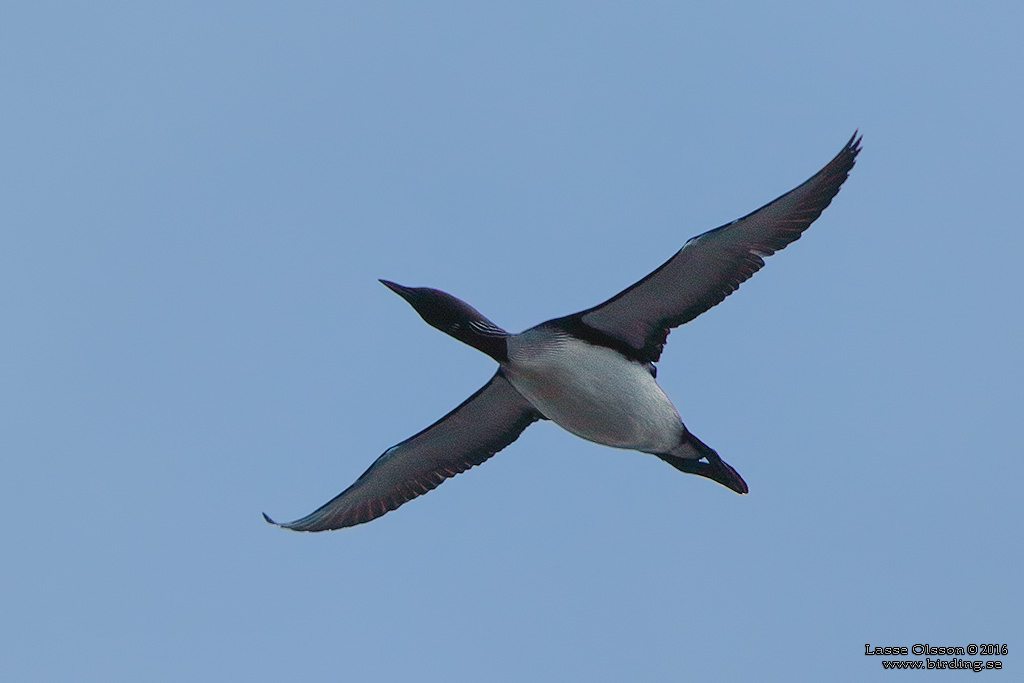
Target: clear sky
[197,202]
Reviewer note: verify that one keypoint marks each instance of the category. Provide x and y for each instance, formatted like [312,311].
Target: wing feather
[482,425]
[714,264]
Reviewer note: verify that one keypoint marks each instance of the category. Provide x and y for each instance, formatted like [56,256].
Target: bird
[593,372]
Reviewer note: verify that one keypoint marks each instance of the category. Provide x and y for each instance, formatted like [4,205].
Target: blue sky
[198,201]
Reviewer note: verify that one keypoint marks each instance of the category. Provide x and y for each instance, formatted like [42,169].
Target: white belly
[593,392]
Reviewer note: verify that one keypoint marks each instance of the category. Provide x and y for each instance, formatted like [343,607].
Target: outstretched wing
[486,422]
[712,266]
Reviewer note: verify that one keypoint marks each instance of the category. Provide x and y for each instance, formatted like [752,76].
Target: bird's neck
[483,335]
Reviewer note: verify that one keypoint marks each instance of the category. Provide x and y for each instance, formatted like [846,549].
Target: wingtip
[297,525]
[855,141]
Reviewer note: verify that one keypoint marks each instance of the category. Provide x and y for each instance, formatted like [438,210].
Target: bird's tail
[693,456]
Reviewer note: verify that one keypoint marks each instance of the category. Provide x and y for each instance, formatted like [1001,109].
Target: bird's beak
[404,292]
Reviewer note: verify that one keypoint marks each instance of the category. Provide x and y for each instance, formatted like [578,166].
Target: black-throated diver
[591,372]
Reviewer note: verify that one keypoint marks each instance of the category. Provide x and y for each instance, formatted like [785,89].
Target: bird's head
[454,317]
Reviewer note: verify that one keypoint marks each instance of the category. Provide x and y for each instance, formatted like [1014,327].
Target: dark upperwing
[712,266]
[482,425]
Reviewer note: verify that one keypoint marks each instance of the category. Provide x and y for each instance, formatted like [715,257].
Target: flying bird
[592,373]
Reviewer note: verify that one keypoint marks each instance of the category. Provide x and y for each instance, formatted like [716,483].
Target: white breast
[592,391]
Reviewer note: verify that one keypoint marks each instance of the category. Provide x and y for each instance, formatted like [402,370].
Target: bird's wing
[711,266]
[486,422]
